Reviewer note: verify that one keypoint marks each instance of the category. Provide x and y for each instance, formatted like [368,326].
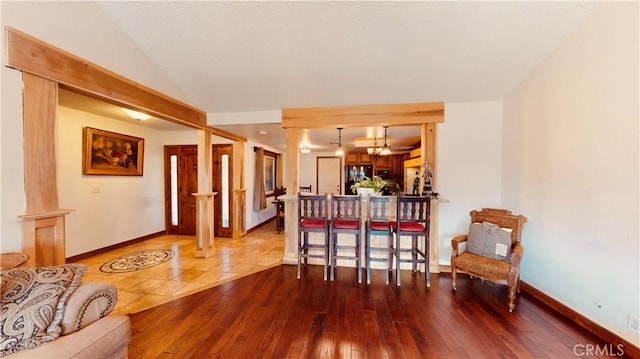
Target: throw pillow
[498,242]
[476,239]
[32,304]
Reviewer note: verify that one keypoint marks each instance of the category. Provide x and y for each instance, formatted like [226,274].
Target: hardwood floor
[271,314]
[242,303]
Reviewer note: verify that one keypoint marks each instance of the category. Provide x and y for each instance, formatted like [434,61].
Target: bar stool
[412,220]
[313,218]
[378,223]
[346,215]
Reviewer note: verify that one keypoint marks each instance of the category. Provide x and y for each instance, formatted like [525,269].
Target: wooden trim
[630,350]
[30,55]
[364,115]
[79,257]
[225,134]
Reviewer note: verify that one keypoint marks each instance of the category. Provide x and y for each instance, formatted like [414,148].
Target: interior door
[222,169]
[181,180]
[329,170]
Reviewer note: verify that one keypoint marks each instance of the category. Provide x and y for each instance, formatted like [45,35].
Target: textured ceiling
[254,56]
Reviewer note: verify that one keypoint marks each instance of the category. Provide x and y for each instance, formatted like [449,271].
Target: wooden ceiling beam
[364,115]
[28,54]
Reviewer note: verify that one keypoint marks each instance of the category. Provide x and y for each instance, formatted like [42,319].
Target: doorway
[181,180]
[222,183]
[329,170]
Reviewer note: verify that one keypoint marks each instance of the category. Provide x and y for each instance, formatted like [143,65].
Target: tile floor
[185,274]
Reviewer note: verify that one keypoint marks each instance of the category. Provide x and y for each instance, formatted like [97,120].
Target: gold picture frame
[112,154]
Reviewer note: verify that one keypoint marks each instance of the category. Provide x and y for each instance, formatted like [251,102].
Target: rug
[136,261]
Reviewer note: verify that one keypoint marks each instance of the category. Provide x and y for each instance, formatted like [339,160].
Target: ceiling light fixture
[339,150]
[386,150]
[304,149]
[136,115]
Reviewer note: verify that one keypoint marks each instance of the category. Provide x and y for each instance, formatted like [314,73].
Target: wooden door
[329,170]
[181,180]
[223,183]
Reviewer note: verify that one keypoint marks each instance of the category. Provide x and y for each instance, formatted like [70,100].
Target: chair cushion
[313,223]
[379,225]
[482,266]
[346,223]
[408,226]
[489,240]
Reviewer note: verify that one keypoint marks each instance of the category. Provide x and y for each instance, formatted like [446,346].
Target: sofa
[49,312]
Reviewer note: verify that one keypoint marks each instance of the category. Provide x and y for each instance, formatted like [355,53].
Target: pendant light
[339,150]
[386,150]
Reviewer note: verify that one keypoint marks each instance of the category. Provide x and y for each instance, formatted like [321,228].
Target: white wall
[127,207]
[469,152]
[90,35]
[571,166]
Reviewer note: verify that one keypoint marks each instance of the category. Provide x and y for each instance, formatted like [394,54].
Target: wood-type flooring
[271,314]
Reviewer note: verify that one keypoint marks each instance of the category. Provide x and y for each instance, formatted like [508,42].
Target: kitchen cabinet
[357,158]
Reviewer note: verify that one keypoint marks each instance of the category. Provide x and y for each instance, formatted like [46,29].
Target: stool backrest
[414,209]
[379,208]
[346,207]
[313,206]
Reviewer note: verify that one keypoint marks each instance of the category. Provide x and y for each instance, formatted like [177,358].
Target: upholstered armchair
[492,249]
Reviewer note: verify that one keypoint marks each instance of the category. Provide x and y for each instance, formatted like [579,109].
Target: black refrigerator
[353,173]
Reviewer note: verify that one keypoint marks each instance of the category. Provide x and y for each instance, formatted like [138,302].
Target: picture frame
[269,174]
[111,154]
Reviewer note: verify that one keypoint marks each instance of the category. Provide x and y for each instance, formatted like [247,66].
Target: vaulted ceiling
[255,56]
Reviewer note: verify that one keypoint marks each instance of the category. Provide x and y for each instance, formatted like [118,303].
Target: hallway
[185,274]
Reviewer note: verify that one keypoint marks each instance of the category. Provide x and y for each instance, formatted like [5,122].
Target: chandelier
[384,150]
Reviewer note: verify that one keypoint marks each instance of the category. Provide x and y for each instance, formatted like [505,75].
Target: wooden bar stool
[313,218]
[379,210]
[412,220]
[346,216]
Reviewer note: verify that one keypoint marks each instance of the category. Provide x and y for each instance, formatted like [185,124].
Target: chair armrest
[88,303]
[516,255]
[456,241]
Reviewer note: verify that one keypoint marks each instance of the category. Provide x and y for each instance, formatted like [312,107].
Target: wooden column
[239,200]
[43,238]
[428,136]
[204,198]
[239,191]
[291,204]
[204,224]
[43,235]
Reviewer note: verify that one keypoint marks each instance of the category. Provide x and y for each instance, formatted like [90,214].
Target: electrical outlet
[96,189]
[633,323]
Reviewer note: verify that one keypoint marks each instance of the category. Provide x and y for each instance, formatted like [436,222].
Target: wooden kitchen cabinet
[357,158]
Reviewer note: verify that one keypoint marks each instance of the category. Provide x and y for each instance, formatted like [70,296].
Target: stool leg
[367,255]
[334,253]
[358,256]
[397,259]
[427,272]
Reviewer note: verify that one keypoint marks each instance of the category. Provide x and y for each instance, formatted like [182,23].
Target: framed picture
[110,153]
[269,174]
